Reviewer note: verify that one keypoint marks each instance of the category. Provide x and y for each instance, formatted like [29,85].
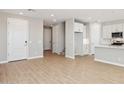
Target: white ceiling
[85,15]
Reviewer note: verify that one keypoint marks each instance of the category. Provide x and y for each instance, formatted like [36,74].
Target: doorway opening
[54,39]
[47,40]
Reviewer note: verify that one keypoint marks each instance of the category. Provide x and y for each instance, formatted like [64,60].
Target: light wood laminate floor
[55,69]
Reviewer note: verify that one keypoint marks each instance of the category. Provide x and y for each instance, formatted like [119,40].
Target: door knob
[25,41]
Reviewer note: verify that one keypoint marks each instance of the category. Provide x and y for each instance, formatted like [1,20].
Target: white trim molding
[36,57]
[2,62]
[70,57]
[108,62]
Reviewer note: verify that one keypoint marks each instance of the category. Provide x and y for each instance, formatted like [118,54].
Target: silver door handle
[26,43]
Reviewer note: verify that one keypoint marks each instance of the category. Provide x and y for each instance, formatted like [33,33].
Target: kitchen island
[110,54]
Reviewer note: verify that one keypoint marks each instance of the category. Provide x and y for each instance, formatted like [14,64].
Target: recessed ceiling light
[52,15]
[21,13]
[54,20]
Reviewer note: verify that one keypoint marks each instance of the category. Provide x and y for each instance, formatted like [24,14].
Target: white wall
[95,30]
[3,38]
[35,35]
[36,38]
[69,39]
[58,34]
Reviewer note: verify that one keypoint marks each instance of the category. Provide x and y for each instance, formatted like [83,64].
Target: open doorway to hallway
[47,40]
[54,39]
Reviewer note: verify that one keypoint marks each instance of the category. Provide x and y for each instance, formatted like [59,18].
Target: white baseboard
[108,62]
[69,57]
[2,62]
[36,57]
[91,54]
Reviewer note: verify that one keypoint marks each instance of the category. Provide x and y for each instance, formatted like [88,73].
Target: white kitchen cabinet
[78,27]
[119,27]
[123,29]
[104,30]
[113,28]
[81,41]
[107,30]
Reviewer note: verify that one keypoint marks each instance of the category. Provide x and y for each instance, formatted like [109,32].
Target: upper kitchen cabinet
[123,28]
[106,31]
[113,28]
[119,28]
[78,27]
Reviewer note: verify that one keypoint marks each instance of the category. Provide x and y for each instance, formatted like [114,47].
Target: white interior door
[17,39]
[47,39]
